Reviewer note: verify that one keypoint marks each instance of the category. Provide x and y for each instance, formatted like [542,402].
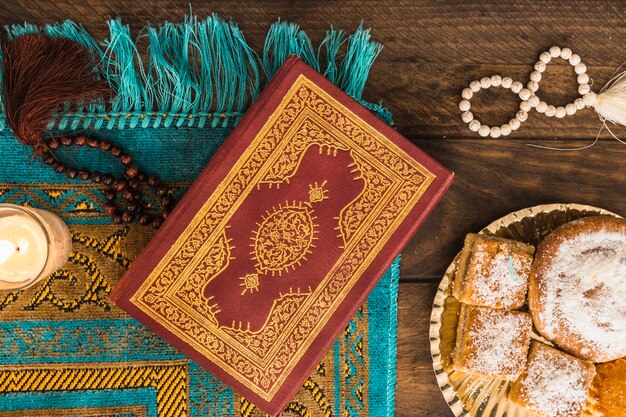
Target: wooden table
[433,50]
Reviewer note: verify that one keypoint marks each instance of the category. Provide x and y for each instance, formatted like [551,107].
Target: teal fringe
[284,39]
[201,71]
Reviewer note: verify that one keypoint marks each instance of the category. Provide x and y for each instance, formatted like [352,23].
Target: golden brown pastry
[492,342]
[554,384]
[577,288]
[607,397]
[493,272]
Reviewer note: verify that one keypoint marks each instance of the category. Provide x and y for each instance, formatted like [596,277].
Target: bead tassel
[42,74]
[610,103]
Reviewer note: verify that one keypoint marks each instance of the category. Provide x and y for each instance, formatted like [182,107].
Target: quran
[282,237]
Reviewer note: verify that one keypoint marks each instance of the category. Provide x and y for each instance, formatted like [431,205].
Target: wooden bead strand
[528,97]
[130,205]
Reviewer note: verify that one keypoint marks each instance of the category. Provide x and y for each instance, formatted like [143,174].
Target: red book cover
[282,237]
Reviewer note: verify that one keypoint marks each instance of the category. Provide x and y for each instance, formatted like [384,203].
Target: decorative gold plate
[470,395]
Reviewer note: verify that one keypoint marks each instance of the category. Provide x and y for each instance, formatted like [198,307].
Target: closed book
[282,237]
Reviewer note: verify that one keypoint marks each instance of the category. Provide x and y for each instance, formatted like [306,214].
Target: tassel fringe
[200,71]
[284,39]
[610,102]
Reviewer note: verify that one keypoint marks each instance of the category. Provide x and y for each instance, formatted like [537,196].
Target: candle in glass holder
[33,244]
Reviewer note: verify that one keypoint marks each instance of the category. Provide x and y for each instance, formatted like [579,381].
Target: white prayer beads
[495,81]
[527,95]
[580,69]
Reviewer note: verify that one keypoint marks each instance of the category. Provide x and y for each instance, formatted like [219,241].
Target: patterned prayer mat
[65,350]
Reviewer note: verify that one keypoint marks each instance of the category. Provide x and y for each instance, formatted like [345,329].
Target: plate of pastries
[530,317]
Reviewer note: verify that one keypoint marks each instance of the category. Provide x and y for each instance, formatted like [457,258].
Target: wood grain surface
[431,51]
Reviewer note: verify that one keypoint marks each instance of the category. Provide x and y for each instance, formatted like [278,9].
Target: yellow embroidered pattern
[306,117]
[82,286]
[169,379]
[134,411]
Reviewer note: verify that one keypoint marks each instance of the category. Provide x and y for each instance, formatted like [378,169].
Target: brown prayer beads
[130,207]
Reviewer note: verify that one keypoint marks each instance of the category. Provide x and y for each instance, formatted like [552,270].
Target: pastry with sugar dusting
[607,397]
[577,288]
[554,384]
[492,342]
[493,272]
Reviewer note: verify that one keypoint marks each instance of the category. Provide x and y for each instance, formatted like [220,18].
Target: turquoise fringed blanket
[64,349]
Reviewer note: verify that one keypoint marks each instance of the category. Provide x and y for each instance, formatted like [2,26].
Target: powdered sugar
[555,384]
[499,341]
[499,280]
[584,291]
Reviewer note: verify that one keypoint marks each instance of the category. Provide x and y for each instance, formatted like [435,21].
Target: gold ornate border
[304,101]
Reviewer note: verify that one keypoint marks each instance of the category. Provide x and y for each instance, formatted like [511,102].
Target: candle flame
[7,249]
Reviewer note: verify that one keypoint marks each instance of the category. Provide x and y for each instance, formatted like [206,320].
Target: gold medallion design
[284,237]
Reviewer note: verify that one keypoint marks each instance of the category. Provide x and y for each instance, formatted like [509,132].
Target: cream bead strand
[527,94]
[528,101]
[582,79]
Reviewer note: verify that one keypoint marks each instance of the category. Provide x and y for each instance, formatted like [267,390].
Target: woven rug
[65,350]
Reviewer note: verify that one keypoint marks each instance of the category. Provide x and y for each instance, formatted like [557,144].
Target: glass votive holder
[34,243]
